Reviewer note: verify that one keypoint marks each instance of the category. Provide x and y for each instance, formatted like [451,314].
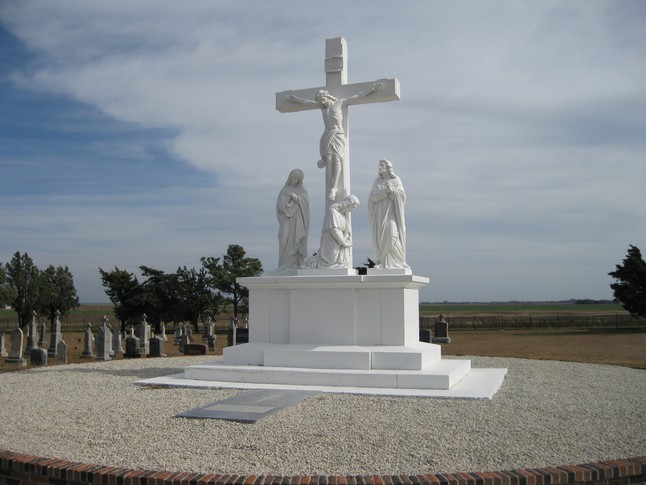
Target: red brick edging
[19,469]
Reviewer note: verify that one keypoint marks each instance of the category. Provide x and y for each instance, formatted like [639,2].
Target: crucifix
[333,100]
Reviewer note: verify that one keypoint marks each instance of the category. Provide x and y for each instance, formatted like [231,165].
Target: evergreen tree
[7,293]
[124,290]
[24,278]
[58,294]
[234,265]
[630,289]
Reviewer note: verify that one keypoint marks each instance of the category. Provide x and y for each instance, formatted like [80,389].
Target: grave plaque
[249,406]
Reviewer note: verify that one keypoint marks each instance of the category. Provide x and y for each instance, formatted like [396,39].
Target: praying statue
[334,138]
[386,212]
[293,212]
[336,236]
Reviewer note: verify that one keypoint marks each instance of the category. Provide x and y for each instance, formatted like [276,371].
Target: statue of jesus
[333,140]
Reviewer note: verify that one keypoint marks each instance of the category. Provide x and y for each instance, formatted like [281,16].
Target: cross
[337,185]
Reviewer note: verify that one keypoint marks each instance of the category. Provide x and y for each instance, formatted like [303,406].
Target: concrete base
[477,384]
[338,333]
[441,375]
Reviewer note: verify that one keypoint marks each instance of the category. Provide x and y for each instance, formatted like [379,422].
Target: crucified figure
[334,138]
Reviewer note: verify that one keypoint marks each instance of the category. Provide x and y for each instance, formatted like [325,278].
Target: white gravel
[546,413]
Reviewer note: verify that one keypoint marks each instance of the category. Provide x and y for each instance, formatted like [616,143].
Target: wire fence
[523,321]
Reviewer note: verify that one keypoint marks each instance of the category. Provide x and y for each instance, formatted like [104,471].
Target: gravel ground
[546,413]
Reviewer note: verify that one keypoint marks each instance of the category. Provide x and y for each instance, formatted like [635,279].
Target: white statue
[293,212]
[386,212]
[336,236]
[333,140]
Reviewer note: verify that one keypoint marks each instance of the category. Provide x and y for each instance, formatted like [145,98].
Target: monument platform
[334,332]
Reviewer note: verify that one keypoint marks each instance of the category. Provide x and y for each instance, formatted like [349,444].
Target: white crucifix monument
[333,100]
[328,327]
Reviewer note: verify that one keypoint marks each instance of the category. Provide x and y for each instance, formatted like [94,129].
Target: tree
[630,289]
[7,293]
[234,265]
[193,295]
[58,294]
[123,289]
[23,276]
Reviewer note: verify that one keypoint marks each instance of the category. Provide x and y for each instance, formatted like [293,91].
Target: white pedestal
[332,330]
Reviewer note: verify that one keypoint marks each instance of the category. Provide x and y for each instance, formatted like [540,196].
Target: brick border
[19,469]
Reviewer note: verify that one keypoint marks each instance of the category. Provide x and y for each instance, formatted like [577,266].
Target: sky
[145,133]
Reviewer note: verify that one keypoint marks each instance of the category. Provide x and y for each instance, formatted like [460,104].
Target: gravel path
[546,413]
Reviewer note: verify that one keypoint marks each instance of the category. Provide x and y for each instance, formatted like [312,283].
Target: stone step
[441,375]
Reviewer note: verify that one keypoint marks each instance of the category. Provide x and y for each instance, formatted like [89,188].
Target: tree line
[186,295]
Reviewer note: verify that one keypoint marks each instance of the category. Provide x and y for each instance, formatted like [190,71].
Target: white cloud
[519,135]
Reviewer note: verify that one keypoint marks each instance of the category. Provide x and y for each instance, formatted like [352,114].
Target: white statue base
[339,333]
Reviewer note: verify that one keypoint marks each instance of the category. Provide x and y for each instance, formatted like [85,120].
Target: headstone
[425,335]
[441,331]
[238,336]
[61,352]
[43,333]
[211,342]
[56,336]
[132,345]
[157,347]
[3,347]
[38,357]
[178,334]
[194,349]
[15,357]
[163,331]
[104,341]
[143,332]
[116,343]
[208,330]
[184,341]
[189,331]
[88,341]
[31,335]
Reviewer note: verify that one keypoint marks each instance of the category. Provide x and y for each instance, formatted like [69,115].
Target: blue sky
[145,133]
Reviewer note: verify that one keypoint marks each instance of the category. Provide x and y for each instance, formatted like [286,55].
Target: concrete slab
[250,406]
[477,384]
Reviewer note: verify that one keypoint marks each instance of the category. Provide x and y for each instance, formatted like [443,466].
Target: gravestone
[116,343]
[104,341]
[88,342]
[56,336]
[163,331]
[185,340]
[32,335]
[16,355]
[237,336]
[425,335]
[61,352]
[132,345]
[3,347]
[212,341]
[194,349]
[38,357]
[43,332]
[143,332]
[208,330]
[156,346]
[179,331]
[441,331]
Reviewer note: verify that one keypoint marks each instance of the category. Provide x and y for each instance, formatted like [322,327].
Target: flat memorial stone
[248,407]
